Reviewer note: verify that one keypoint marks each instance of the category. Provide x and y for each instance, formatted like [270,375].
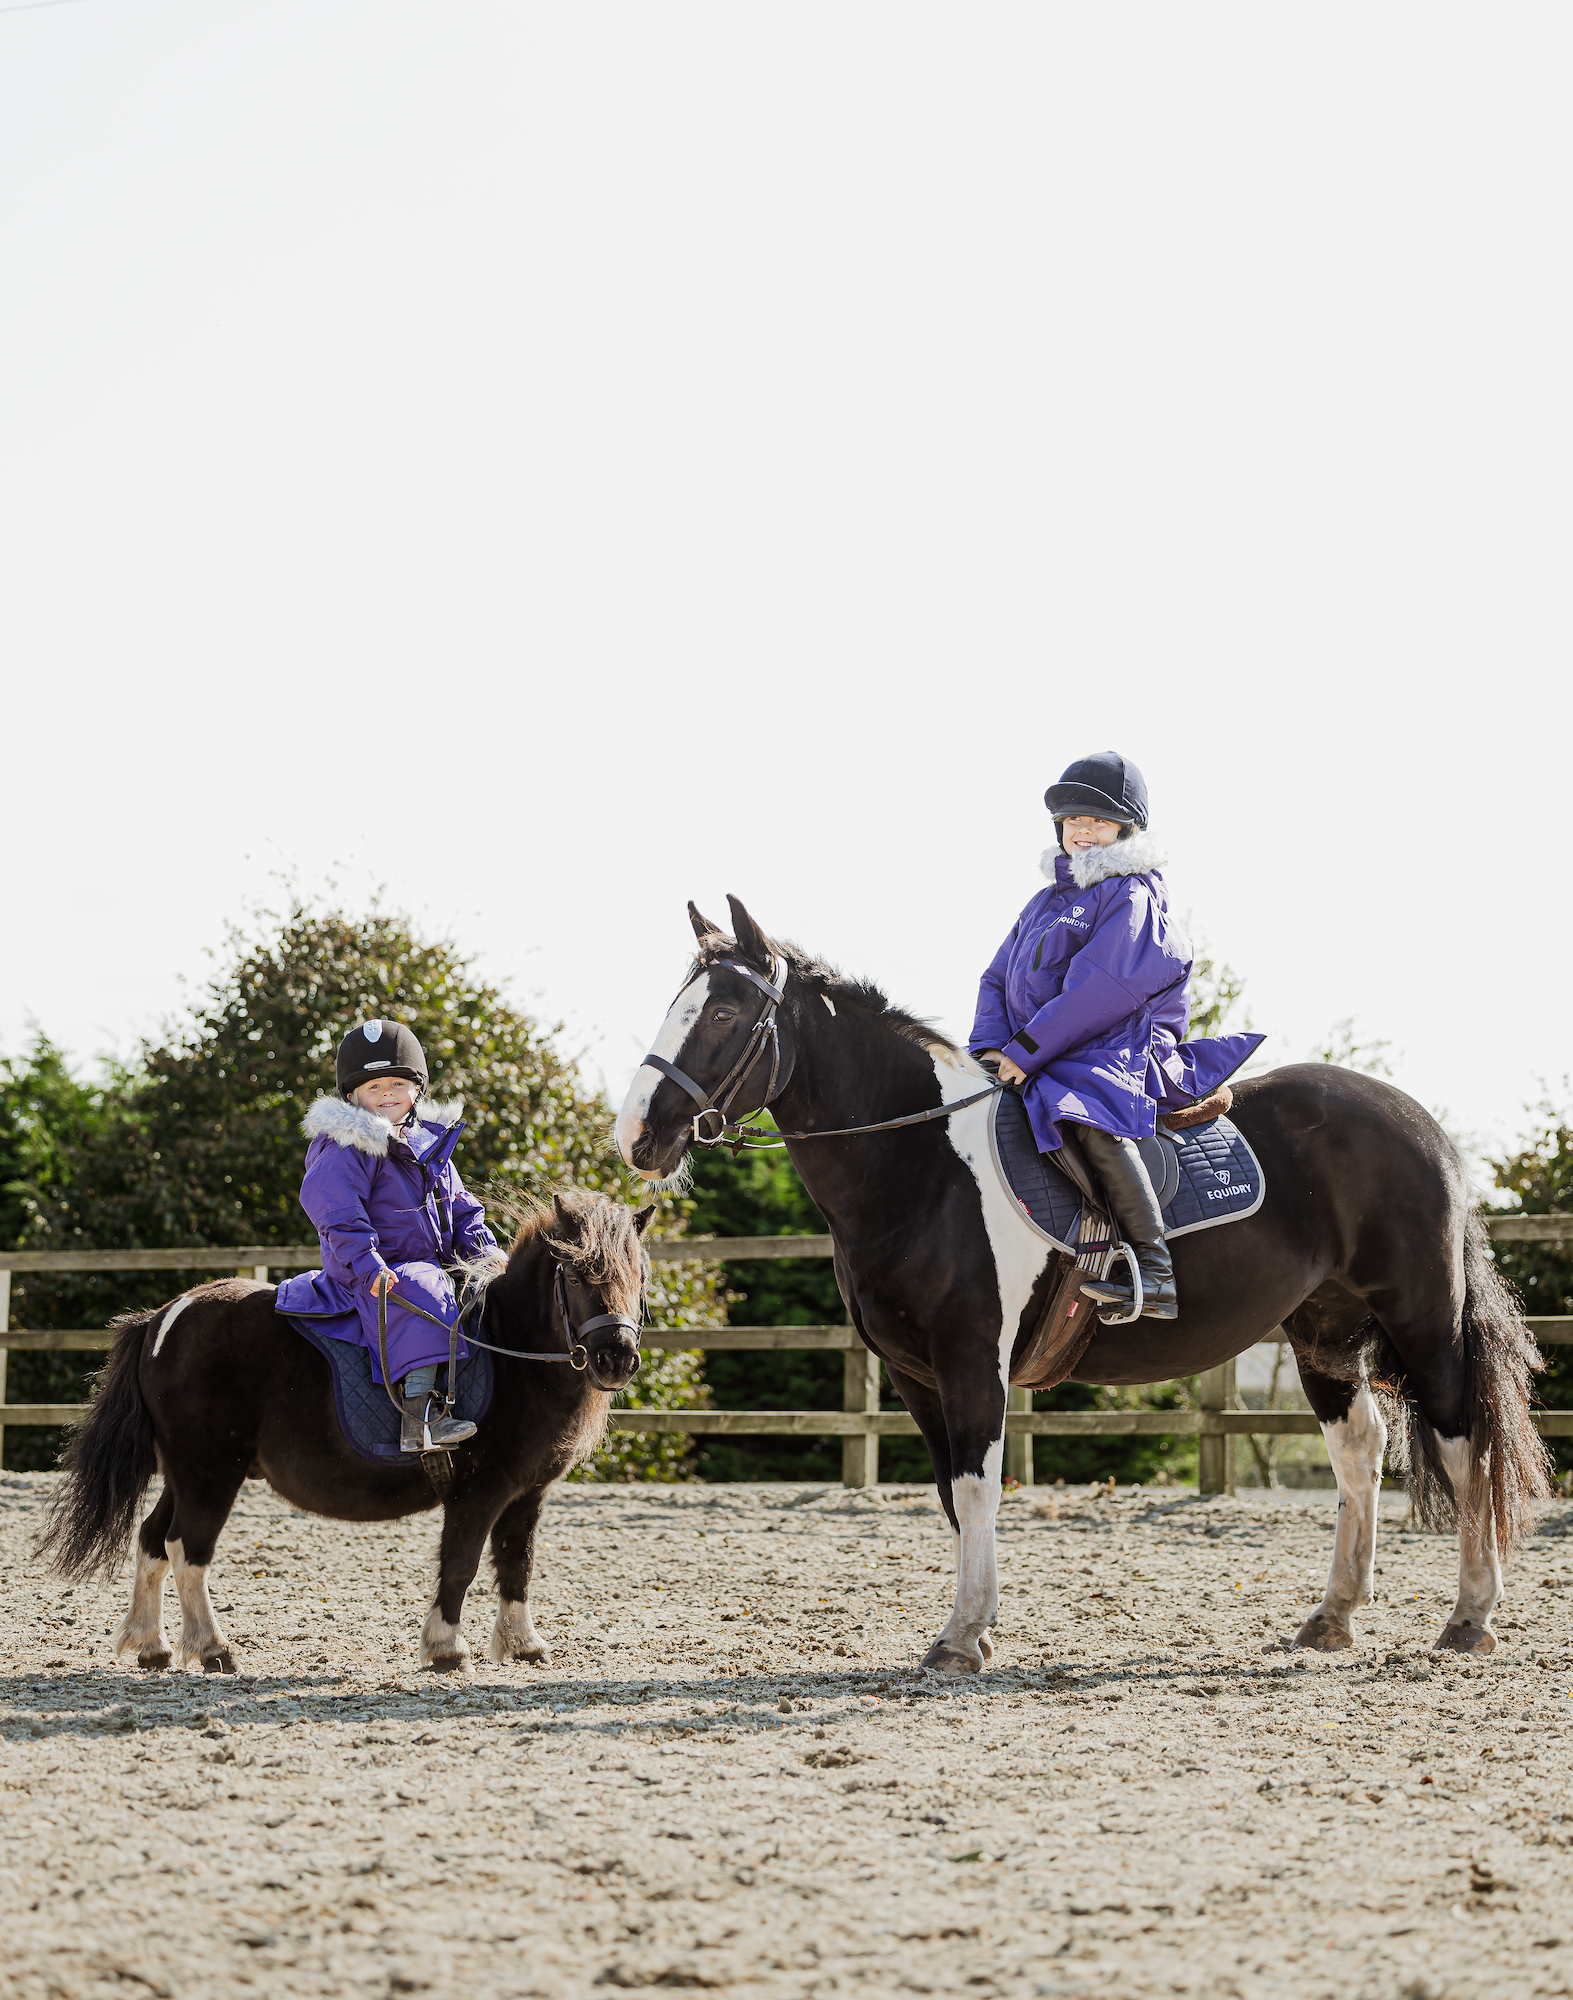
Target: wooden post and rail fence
[1215,1422]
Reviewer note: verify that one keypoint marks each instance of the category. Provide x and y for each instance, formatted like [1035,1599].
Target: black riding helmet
[379,1048]
[1102,786]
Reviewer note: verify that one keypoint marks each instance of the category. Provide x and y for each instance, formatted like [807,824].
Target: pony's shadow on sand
[104,1701]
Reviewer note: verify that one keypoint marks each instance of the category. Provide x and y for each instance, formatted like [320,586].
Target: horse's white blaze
[1479,1571]
[169,1320]
[675,1030]
[1355,1445]
[514,1636]
[1019,1257]
[143,1625]
[200,1634]
[442,1641]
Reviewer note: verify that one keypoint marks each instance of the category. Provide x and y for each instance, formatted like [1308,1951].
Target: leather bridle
[578,1355]
[766,1030]
[717,1103]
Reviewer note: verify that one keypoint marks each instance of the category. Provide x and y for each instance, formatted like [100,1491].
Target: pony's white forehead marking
[675,1030]
[169,1320]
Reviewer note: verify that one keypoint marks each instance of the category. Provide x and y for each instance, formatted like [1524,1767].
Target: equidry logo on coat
[1225,1193]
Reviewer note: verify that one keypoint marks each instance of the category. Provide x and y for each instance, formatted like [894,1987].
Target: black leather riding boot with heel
[1119,1166]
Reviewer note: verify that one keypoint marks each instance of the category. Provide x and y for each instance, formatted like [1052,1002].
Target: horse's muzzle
[613,1364]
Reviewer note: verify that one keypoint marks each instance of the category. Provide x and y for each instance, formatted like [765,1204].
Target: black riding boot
[1140,1221]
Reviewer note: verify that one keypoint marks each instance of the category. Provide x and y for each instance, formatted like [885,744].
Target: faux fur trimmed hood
[1140,855]
[349,1124]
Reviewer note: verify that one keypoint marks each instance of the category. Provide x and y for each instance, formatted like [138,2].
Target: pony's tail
[109,1461]
[1513,1466]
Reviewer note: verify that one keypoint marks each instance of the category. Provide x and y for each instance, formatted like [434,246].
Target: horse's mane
[825,980]
[593,1233]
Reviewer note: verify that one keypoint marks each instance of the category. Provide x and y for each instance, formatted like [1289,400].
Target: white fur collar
[1140,855]
[349,1125]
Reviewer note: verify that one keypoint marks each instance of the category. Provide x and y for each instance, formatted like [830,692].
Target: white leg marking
[1019,1257]
[442,1642]
[976,1502]
[201,1638]
[514,1636]
[143,1625]
[1479,1572]
[675,1030]
[169,1320]
[1355,1445]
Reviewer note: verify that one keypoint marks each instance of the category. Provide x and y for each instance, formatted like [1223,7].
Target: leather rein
[577,1356]
[766,1031]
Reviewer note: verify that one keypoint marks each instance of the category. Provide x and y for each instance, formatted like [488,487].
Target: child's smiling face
[390,1097]
[1078,835]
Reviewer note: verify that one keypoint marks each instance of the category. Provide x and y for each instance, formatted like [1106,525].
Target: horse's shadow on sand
[107,1702]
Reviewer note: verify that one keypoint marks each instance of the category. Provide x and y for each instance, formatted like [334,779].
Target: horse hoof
[1321,1635]
[985,1647]
[534,1654]
[154,1663]
[220,1663]
[948,1660]
[449,1663]
[1466,1638]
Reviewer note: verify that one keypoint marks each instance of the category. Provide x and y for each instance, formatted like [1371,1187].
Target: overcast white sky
[555,460]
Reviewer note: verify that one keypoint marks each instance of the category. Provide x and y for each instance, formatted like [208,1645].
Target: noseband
[717,1104]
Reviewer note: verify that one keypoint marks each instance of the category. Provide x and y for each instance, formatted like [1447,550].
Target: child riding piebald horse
[1087,1001]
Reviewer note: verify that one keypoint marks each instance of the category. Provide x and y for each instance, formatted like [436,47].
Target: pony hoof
[220,1663]
[1321,1635]
[1466,1639]
[985,1647]
[950,1661]
[154,1663]
[449,1663]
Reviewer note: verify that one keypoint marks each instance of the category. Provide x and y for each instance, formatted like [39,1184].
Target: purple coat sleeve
[991,1023]
[1120,968]
[333,1194]
[471,1237]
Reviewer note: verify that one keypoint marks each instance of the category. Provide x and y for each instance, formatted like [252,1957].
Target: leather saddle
[1068,1321]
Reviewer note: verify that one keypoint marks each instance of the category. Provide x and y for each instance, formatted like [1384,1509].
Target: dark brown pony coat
[226,1390]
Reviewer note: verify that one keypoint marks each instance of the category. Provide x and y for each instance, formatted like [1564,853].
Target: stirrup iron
[1120,1248]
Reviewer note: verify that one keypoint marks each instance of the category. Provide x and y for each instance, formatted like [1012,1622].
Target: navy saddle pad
[1202,1176]
[366,1417]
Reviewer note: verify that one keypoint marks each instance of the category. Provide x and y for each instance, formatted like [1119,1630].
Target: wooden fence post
[860,1455]
[1018,1447]
[5,1322]
[1215,1458]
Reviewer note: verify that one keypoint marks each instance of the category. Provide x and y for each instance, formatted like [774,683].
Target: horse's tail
[109,1461]
[1500,1357]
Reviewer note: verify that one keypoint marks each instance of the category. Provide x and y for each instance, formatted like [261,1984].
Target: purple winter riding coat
[1090,995]
[382,1199]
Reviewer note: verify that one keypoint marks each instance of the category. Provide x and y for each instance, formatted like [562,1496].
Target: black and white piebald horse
[216,1387]
[1367,1250]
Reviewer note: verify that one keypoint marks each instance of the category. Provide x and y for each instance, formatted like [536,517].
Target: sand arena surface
[731,1779]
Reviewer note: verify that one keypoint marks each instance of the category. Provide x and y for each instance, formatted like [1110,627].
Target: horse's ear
[642,1219]
[567,1221]
[751,940]
[703,928]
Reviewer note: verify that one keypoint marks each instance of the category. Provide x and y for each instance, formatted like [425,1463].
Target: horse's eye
[724,1014]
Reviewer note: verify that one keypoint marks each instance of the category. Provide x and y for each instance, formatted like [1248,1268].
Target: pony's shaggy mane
[825,981]
[592,1233]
